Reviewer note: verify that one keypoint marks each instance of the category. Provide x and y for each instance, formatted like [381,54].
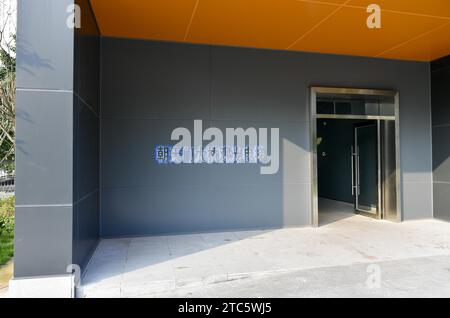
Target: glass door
[366,167]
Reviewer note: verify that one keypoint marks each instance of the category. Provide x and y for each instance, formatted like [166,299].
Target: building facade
[92,110]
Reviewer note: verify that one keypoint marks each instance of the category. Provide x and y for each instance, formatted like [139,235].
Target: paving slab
[331,260]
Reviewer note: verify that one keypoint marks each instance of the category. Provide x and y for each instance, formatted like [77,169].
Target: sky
[8,15]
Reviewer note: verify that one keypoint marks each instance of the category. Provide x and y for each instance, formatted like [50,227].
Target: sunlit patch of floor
[331,260]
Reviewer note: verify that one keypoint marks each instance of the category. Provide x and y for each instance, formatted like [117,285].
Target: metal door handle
[357,171]
[353,170]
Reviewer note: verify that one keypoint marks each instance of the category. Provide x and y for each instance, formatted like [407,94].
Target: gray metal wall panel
[418,200]
[167,198]
[86,132]
[258,85]
[441,203]
[116,143]
[178,209]
[233,87]
[440,101]
[87,67]
[294,155]
[44,147]
[86,219]
[88,152]
[159,80]
[440,89]
[42,242]
[44,45]
[441,153]
[44,138]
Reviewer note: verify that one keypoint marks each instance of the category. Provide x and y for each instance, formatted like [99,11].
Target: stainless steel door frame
[314,91]
[389,172]
[379,159]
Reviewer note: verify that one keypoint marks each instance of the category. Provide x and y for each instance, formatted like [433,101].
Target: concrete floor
[413,259]
[6,273]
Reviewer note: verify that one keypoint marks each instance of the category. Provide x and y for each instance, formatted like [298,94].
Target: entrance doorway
[355,160]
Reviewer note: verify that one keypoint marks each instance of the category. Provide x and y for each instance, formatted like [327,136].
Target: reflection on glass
[363,105]
[387,109]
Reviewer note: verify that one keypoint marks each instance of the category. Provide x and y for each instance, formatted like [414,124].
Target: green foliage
[7,104]
[6,225]
[6,229]
[7,135]
[7,206]
[7,216]
[8,164]
[6,249]
[8,64]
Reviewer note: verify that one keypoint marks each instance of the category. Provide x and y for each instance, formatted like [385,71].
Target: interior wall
[440,88]
[150,88]
[86,140]
[334,169]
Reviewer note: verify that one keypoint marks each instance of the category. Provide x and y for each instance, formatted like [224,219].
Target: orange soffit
[416,30]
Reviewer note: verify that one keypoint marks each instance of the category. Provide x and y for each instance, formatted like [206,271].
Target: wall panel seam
[441,125]
[43,205]
[87,105]
[203,186]
[45,90]
[118,117]
[85,197]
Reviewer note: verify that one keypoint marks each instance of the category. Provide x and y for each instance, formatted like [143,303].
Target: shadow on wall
[28,57]
[22,115]
[165,199]
[169,85]
[231,87]
[289,204]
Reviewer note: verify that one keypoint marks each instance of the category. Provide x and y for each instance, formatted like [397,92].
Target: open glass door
[375,155]
[366,168]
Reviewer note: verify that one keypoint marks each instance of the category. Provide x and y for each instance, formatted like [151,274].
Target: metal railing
[7,181]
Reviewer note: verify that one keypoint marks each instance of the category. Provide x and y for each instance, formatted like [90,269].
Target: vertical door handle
[357,171]
[352,158]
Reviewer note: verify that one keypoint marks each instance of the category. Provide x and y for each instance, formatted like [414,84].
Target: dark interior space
[336,142]
[440,97]
[336,139]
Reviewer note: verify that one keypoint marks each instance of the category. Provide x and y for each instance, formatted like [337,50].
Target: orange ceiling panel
[423,48]
[411,29]
[146,19]
[346,32]
[88,26]
[333,2]
[255,23]
[436,8]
